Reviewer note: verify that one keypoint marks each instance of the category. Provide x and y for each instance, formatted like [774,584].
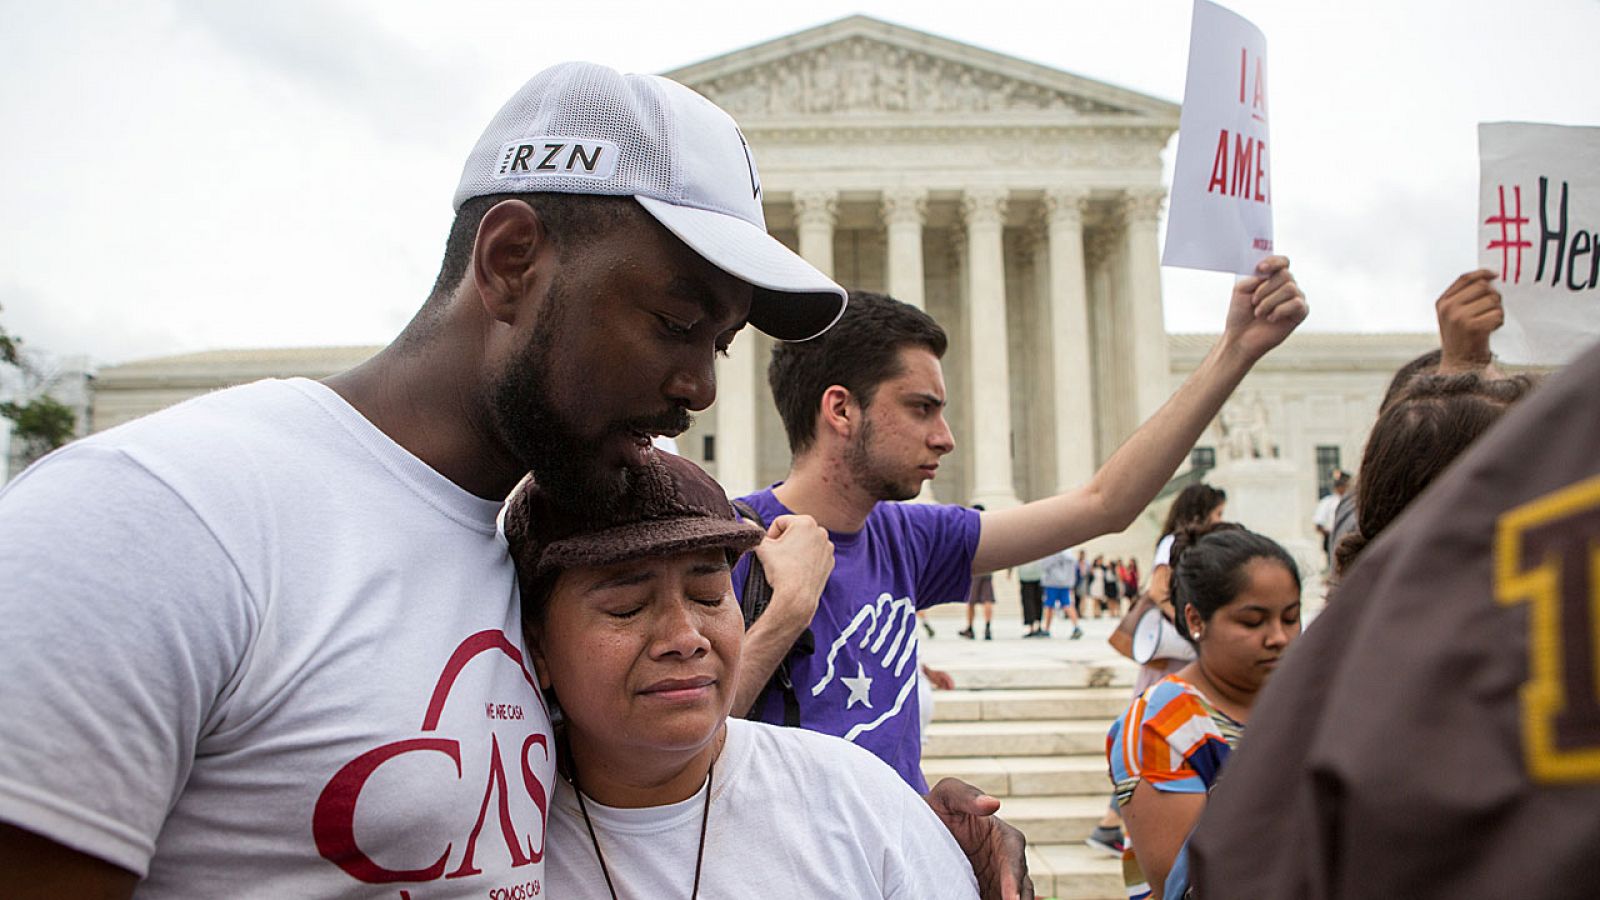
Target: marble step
[963,705]
[1072,871]
[1025,776]
[1041,737]
[1009,675]
[1055,820]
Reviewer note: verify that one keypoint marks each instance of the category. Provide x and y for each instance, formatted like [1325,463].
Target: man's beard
[562,460]
[864,471]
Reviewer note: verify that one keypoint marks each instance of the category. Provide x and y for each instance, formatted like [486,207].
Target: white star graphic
[860,687]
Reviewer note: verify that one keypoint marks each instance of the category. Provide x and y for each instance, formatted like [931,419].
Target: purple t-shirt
[861,683]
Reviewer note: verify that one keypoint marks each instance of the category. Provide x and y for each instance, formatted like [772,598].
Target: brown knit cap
[671,507]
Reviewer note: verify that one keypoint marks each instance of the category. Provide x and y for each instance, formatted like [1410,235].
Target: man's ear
[511,240]
[839,411]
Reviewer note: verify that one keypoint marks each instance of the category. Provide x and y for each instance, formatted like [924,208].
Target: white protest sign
[1539,228]
[1221,215]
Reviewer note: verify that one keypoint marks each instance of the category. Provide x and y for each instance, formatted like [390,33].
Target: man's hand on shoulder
[798,558]
[1265,308]
[996,850]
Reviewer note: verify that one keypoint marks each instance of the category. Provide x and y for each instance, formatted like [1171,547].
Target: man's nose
[943,440]
[693,385]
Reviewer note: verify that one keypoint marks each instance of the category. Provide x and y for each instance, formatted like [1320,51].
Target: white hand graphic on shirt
[889,627]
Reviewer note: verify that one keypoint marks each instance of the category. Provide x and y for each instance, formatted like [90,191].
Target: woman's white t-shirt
[793,814]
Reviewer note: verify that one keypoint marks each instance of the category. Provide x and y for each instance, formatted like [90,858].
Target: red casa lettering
[333,820]
[508,831]
[333,823]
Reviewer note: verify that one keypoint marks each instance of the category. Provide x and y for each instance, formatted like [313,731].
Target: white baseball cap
[581,128]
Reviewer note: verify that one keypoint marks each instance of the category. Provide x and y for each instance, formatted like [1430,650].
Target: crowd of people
[447,623]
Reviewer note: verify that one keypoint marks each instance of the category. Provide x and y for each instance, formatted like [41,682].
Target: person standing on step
[863,408]
[1060,574]
[1097,586]
[980,594]
[1032,590]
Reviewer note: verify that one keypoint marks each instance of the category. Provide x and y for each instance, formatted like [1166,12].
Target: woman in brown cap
[635,636]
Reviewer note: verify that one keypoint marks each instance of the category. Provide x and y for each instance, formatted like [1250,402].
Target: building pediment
[859,67]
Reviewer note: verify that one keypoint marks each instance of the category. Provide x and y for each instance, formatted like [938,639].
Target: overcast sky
[189,175]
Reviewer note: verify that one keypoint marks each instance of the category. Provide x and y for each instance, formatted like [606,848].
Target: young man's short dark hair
[859,353]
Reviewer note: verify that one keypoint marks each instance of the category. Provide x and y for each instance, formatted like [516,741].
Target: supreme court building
[1018,205]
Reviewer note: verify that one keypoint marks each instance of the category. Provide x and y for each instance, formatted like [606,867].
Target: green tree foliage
[41,423]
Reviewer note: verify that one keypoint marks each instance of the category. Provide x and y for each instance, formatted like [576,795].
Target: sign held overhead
[1539,227]
[1221,217]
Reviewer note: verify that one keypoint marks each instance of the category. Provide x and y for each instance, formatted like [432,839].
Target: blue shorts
[1057,598]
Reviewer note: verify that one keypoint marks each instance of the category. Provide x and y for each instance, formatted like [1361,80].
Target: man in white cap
[267,643]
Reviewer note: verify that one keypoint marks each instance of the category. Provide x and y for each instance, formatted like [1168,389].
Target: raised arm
[798,558]
[1265,309]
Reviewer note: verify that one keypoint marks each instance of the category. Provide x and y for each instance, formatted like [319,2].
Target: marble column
[988,369]
[814,213]
[1073,389]
[1113,398]
[735,412]
[904,210]
[1148,370]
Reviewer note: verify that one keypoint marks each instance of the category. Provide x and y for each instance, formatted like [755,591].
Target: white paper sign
[1221,216]
[1539,228]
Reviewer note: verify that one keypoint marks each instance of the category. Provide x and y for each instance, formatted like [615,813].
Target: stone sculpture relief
[860,75]
[1244,430]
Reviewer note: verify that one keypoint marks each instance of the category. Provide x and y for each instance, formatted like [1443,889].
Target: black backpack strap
[757,591]
[757,596]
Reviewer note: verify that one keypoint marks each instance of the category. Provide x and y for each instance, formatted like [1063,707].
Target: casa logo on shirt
[386,816]
[871,666]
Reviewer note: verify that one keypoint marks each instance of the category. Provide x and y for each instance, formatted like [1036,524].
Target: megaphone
[1155,637]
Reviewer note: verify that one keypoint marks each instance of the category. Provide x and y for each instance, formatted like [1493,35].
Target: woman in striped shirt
[1237,598]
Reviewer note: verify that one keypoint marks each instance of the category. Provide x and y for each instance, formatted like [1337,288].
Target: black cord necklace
[699,856]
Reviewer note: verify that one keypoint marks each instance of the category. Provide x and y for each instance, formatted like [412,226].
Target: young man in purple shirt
[863,406]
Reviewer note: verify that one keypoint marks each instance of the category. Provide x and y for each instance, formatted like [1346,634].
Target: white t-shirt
[1322,516]
[1164,551]
[793,813]
[254,648]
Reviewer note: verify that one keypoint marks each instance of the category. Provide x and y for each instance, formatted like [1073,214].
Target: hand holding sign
[1469,311]
[1266,307]
[1221,215]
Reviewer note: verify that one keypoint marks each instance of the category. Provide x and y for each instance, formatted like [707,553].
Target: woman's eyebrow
[709,568]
